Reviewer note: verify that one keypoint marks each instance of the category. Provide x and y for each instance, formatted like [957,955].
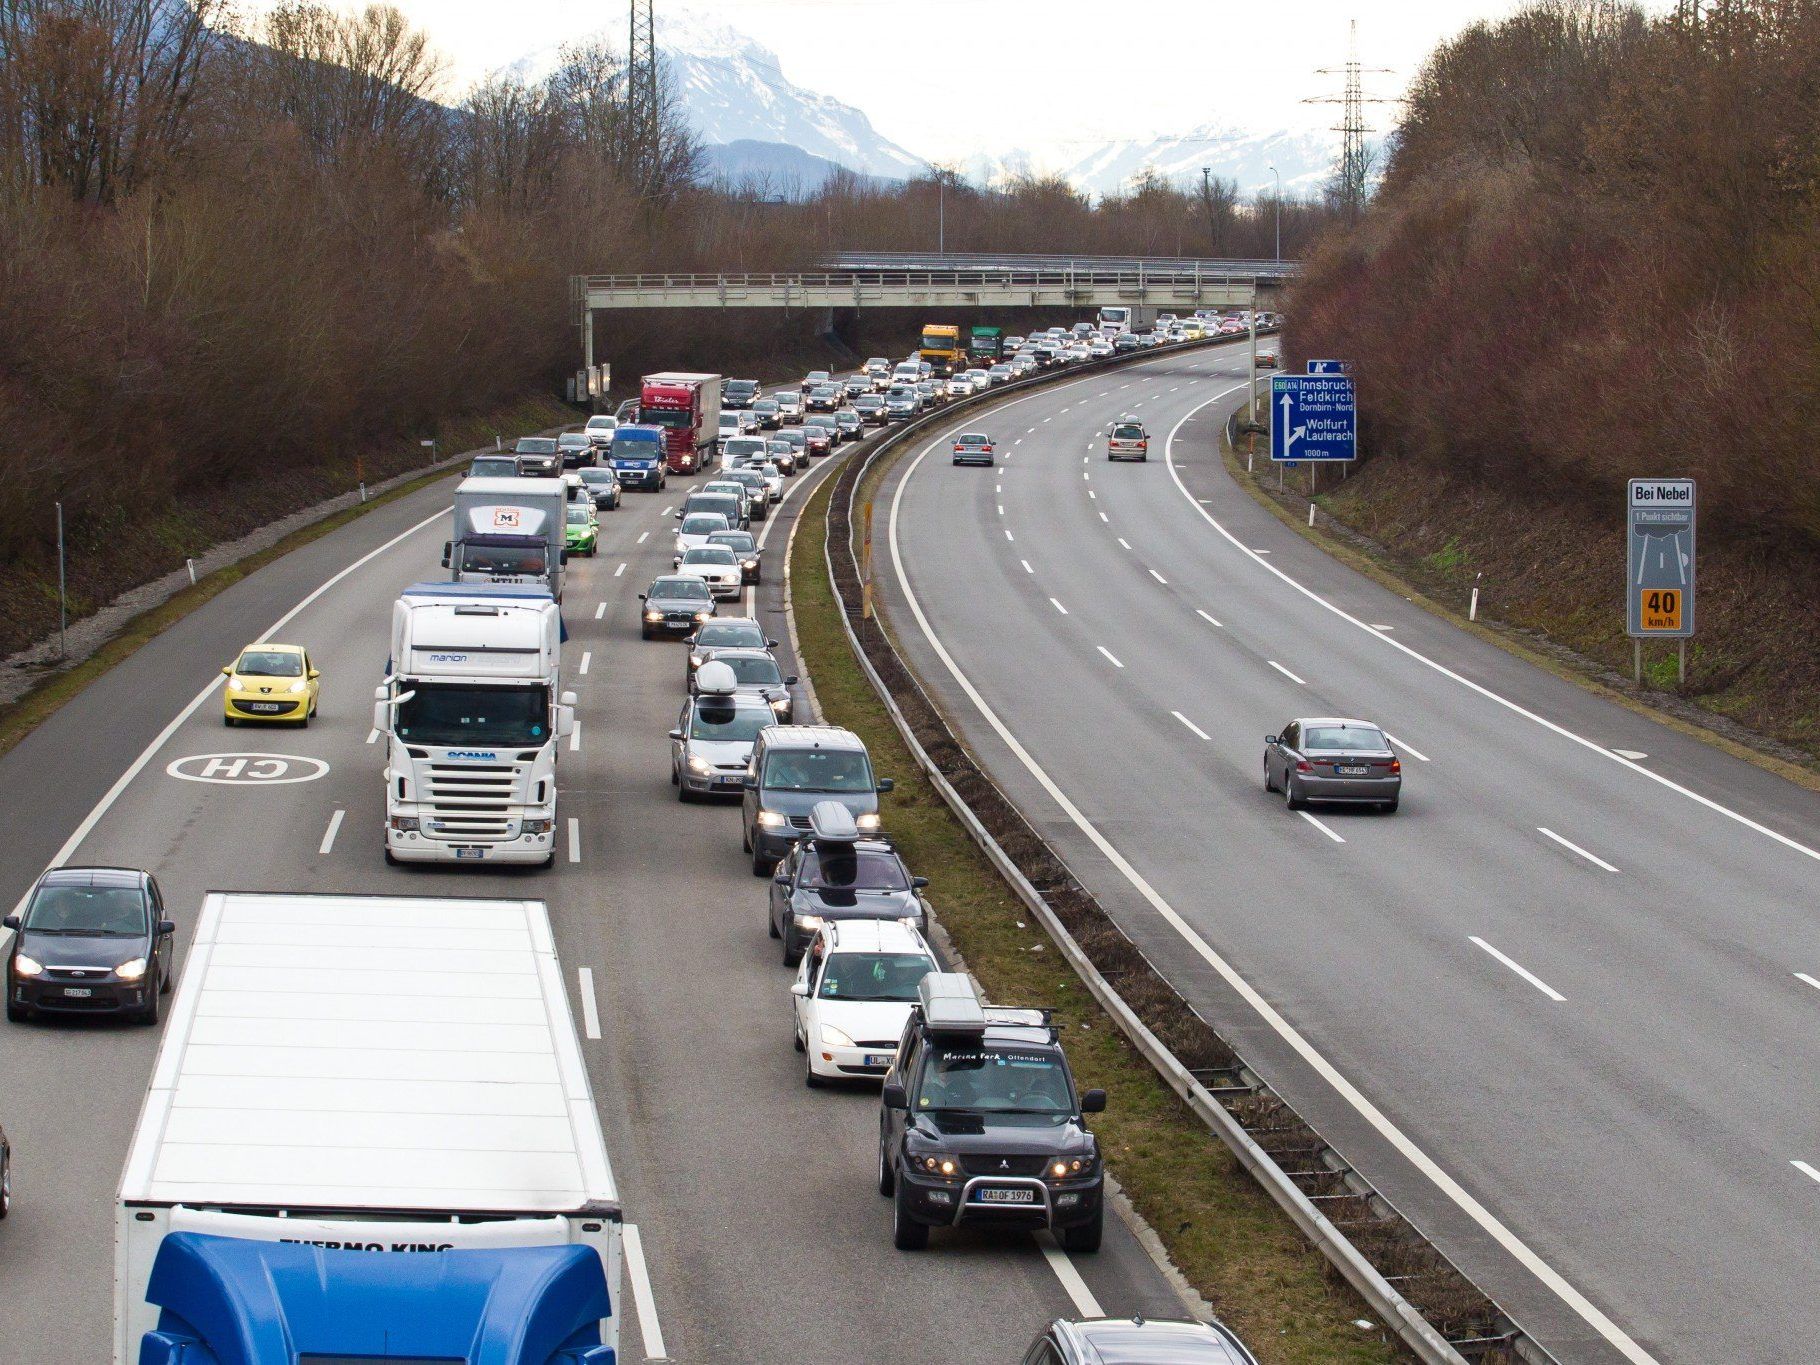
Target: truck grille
[470,802]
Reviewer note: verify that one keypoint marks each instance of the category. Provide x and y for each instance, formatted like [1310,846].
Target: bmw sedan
[1325,759]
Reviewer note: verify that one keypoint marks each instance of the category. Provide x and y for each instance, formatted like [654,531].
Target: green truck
[986,343]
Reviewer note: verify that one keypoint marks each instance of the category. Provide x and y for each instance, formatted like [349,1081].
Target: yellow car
[271,682]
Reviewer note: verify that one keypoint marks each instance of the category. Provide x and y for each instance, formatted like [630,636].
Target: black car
[6,1175]
[799,442]
[844,878]
[538,456]
[848,423]
[739,394]
[823,398]
[871,409]
[1112,1341]
[770,416]
[981,1123]
[723,632]
[784,454]
[602,486]
[745,545]
[855,386]
[91,940]
[576,449]
[675,604]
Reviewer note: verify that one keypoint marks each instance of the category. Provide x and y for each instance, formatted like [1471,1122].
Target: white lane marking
[372,736]
[1285,672]
[1084,473]
[1030,432]
[1008,535]
[590,1010]
[617,572]
[574,840]
[998,488]
[632,1243]
[1192,726]
[1634,755]
[575,737]
[328,838]
[1058,606]
[666,512]
[1159,578]
[137,766]
[1520,970]
[1810,980]
[1806,1170]
[1093,495]
[1001,509]
[1318,825]
[643,536]
[1063,410]
[1026,564]
[600,611]
[1375,625]
[1111,657]
[1557,1284]
[1084,1302]
[1412,752]
[587,657]
[1571,845]
[1018,442]
[1124,542]
[1579,1304]
[1046,419]
[1205,617]
[1104,517]
[691,487]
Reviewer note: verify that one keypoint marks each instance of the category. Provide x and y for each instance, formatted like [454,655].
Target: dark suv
[981,1123]
[91,940]
[538,456]
[845,877]
[739,394]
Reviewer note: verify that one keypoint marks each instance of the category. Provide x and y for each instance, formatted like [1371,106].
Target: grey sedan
[1328,759]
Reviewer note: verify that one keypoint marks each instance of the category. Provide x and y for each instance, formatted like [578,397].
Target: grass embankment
[1221,1230]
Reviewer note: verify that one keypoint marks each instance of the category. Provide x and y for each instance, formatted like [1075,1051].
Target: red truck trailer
[687,407]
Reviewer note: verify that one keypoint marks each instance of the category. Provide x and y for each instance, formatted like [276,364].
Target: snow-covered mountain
[1304,159]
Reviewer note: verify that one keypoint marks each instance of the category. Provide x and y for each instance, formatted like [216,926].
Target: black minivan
[91,940]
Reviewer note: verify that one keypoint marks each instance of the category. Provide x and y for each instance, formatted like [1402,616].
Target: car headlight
[698,764]
[1064,1167]
[535,826]
[746,564]
[833,1037]
[867,821]
[936,1163]
[807,921]
[131,971]
[704,616]
[654,616]
[780,703]
[770,819]
[27,966]
[301,685]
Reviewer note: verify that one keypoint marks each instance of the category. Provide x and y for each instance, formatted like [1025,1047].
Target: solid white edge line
[1192,726]
[1331,834]
[1812,981]
[590,1009]
[1205,617]
[1416,754]
[1806,1170]
[1520,970]
[1111,658]
[1058,606]
[574,840]
[1573,847]
[1078,1292]
[1316,1060]
[633,1244]
[1286,673]
[328,838]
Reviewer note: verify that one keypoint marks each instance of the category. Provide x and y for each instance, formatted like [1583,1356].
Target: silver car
[1329,759]
[711,746]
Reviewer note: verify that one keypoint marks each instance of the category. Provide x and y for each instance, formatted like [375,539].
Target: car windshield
[716,504]
[765,405]
[454,714]
[572,440]
[740,542]
[703,523]
[730,635]
[578,516]
[677,590]
[1357,738]
[87,910]
[729,723]
[710,554]
[883,977]
[819,770]
[862,869]
[602,423]
[269,663]
[995,1080]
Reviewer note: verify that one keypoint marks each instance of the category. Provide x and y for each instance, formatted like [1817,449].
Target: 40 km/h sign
[1659,580]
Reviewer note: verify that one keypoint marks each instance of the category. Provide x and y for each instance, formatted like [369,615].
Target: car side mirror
[1270,739]
[167,926]
[641,597]
[11,921]
[1093,1102]
[799,988]
[893,1095]
[885,784]
[676,516]
[770,644]
[315,672]
[749,782]
[782,879]
[448,549]
[918,883]
[676,734]
[790,680]
[228,672]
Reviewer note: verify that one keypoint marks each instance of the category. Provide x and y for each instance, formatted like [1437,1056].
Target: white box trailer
[369,1133]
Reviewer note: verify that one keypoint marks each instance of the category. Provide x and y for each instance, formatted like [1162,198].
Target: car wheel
[6,1183]
[1270,783]
[1292,798]
[1389,807]
[796,1038]
[771,925]
[645,633]
[683,794]
[149,1015]
[164,984]
[761,865]
[1085,1238]
[792,954]
[391,858]
[229,721]
[17,1014]
[811,1080]
[906,1233]
[887,1174]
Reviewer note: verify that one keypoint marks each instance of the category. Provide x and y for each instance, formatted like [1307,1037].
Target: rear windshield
[1128,431]
[891,977]
[1355,738]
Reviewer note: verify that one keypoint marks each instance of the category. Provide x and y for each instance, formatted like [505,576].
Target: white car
[738,450]
[774,479]
[853,995]
[728,426]
[789,406]
[717,566]
[600,429]
[695,530]
[959,387]
[1099,348]
[977,377]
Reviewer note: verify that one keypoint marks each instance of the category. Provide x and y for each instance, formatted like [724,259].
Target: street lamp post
[941,213]
[1277,201]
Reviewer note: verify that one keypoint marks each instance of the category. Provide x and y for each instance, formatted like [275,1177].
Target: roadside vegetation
[1595,255]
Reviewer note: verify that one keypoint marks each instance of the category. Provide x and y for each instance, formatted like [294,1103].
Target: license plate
[470,853]
[1351,771]
[726,781]
[878,1059]
[78,992]
[262,706]
[1014,1196]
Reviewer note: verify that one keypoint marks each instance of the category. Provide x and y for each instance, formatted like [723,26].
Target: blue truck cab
[637,457]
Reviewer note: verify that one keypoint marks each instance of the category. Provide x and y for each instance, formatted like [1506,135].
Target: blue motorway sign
[1330,367]
[1312,417]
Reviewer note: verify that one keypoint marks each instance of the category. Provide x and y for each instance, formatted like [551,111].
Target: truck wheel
[1085,1238]
[906,1233]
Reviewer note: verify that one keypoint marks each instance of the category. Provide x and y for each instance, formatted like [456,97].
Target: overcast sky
[945,78]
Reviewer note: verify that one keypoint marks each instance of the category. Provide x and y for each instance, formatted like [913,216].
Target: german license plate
[1011,1196]
[1352,771]
[726,781]
[470,853]
[79,992]
[878,1059]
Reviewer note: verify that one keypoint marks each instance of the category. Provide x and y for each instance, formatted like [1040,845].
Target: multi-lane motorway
[760,1225]
[1563,1008]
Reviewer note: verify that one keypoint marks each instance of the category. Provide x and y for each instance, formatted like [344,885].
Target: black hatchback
[91,940]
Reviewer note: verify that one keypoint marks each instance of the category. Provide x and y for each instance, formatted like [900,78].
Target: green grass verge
[1233,1244]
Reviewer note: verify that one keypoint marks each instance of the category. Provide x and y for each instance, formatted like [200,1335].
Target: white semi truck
[509,531]
[368,1136]
[471,711]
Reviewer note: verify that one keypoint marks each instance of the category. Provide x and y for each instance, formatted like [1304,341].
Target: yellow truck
[943,348]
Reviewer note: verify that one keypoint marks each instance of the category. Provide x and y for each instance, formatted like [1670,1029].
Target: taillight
[1396,765]
[1302,765]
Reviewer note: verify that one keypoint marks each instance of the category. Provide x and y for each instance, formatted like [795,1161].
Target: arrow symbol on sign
[1295,434]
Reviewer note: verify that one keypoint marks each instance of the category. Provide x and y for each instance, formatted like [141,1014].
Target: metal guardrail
[988,277]
[982,260]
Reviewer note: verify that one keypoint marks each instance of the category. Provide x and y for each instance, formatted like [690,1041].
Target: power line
[1353,171]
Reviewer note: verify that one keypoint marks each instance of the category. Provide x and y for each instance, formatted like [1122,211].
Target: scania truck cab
[471,710]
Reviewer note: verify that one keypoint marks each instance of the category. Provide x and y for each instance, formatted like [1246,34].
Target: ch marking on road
[247,770]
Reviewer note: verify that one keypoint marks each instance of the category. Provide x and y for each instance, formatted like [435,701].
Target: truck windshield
[529,561]
[666,417]
[453,714]
[939,341]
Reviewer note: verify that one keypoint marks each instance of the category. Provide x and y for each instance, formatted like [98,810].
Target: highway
[1561,1009]
[759,1220]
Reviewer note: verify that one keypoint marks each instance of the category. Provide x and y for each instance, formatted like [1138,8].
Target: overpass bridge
[870,280]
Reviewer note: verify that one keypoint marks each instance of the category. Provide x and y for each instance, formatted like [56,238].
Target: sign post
[865,572]
[1659,570]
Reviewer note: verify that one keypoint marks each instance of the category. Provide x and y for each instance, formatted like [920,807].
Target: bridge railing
[985,277]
